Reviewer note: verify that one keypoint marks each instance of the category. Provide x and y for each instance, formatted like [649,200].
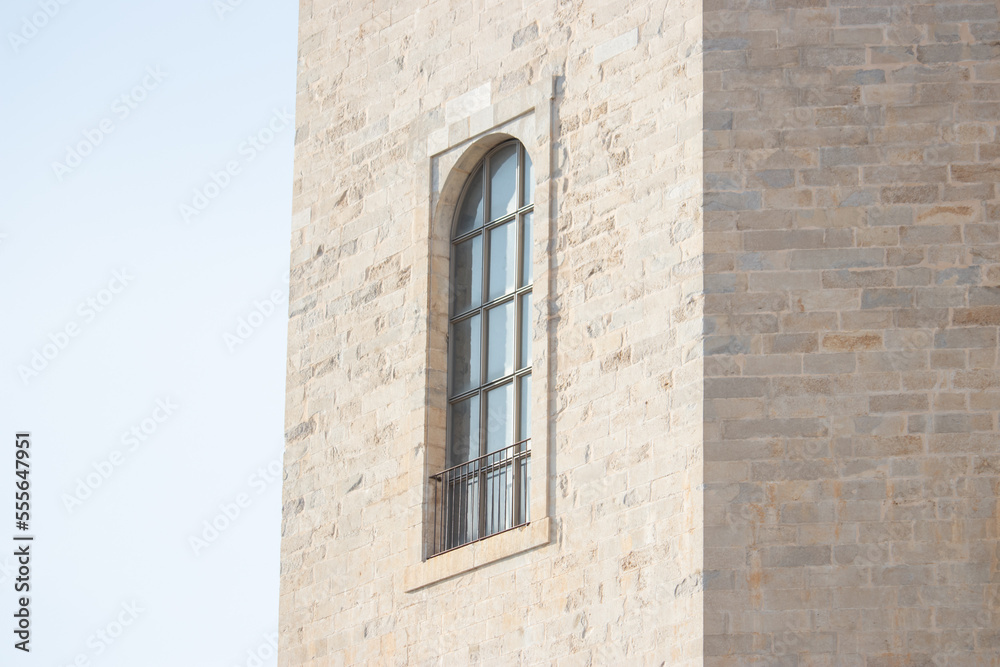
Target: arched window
[484,488]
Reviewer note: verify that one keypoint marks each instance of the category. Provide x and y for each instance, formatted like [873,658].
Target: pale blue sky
[160,335]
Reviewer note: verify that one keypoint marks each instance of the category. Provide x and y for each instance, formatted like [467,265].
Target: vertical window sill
[477,554]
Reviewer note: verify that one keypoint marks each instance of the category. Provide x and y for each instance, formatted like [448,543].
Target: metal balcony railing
[479,498]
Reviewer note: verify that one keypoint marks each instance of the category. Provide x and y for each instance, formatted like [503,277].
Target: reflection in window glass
[470,215]
[503,181]
[500,341]
[503,258]
[465,359]
[499,417]
[468,280]
[464,431]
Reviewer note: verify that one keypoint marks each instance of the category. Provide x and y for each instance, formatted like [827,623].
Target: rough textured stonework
[852,387]
[773,261]
[383,87]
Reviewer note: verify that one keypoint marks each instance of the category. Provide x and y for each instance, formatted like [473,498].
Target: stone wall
[852,388]
[381,88]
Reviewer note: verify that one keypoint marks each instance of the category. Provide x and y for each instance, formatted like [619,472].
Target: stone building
[752,308]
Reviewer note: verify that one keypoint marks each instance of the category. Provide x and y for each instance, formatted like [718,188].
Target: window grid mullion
[520,291]
[515,394]
[483,294]
[490,225]
[491,385]
[518,229]
[484,347]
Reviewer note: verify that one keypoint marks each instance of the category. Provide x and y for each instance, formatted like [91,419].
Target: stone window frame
[500,465]
[451,153]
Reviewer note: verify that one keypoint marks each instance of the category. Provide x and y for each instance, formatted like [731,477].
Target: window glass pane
[470,214]
[526,221]
[500,341]
[524,398]
[503,181]
[527,317]
[460,524]
[499,417]
[529,180]
[499,496]
[466,339]
[503,255]
[464,431]
[467,287]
